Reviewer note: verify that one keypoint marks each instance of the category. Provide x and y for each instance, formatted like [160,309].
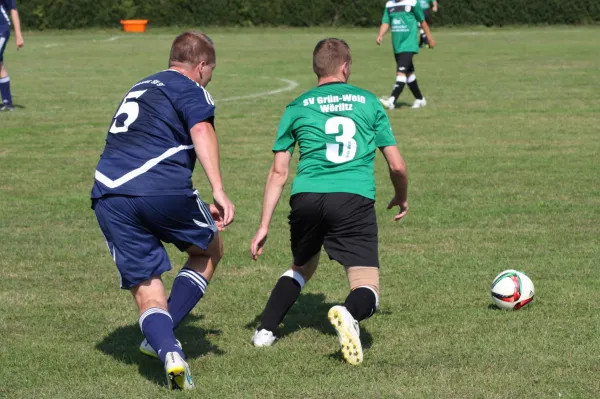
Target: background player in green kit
[338,128]
[429,7]
[404,17]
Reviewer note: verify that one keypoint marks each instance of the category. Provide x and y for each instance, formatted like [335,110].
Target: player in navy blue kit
[8,7]
[143,195]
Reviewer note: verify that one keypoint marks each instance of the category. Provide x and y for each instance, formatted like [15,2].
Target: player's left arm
[206,146]
[276,180]
[14,14]
[434,7]
[430,40]
[418,13]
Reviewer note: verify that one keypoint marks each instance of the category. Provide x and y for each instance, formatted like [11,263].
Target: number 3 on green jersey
[348,144]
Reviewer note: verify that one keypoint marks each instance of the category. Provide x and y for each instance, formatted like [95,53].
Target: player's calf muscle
[363,276]
[150,294]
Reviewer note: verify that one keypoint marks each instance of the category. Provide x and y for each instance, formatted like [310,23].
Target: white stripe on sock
[193,274]
[198,281]
[5,80]
[296,276]
[401,79]
[152,311]
[412,78]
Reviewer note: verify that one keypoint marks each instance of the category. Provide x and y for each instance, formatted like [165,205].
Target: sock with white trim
[284,295]
[398,87]
[414,87]
[188,288]
[5,90]
[362,303]
[157,327]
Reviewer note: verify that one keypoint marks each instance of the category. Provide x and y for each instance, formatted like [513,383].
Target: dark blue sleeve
[12,5]
[196,105]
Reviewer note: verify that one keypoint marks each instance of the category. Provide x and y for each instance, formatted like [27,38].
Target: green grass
[503,164]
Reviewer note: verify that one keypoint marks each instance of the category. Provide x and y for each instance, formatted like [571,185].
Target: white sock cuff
[412,78]
[296,276]
[152,311]
[401,79]
[5,80]
[374,292]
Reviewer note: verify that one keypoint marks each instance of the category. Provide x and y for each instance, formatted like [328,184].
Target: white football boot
[263,338]
[348,333]
[387,102]
[419,103]
[147,350]
[178,372]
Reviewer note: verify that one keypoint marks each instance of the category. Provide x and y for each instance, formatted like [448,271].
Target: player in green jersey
[404,17]
[338,128]
[429,7]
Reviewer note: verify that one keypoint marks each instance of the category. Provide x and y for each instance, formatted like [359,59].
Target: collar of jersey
[172,70]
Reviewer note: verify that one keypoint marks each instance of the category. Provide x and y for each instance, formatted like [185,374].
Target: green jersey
[426,4]
[404,17]
[338,128]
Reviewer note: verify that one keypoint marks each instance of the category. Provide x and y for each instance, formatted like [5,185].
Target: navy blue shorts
[4,36]
[135,226]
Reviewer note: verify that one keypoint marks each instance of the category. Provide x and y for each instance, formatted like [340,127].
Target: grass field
[504,173]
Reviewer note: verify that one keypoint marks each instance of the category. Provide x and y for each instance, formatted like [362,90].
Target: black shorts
[428,13]
[404,63]
[345,224]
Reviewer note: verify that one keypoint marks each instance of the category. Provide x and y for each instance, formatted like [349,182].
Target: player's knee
[364,277]
[303,271]
[308,269]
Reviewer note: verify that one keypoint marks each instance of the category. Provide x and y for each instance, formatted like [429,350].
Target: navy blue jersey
[5,7]
[149,149]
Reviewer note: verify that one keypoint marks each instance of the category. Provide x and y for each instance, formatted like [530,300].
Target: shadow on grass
[494,307]
[123,343]
[403,104]
[310,311]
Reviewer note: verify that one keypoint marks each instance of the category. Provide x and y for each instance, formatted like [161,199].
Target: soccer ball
[512,289]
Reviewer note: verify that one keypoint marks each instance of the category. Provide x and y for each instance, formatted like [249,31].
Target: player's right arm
[278,174]
[276,180]
[206,146]
[14,14]
[385,25]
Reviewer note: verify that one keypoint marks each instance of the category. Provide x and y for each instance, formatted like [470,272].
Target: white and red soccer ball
[512,289]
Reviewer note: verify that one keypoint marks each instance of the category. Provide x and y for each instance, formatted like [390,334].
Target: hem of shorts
[402,52]
[333,192]
[377,266]
[155,275]
[145,194]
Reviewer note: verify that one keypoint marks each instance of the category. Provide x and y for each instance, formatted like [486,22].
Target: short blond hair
[192,48]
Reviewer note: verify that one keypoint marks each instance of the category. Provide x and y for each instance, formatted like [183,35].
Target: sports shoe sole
[176,376]
[351,347]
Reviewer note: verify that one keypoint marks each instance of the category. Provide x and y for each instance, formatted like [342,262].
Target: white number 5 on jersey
[348,144]
[131,108]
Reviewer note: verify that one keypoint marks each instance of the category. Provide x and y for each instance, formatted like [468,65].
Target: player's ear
[346,70]
[200,69]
